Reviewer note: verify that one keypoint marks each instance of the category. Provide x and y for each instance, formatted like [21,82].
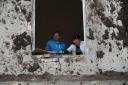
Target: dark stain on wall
[7,44]
[6,28]
[100,71]
[124,84]
[77,73]
[28,17]
[106,35]
[14,3]
[21,41]
[47,76]
[22,9]
[90,34]
[107,21]
[68,60]
[20,58]
[18,0]
[123,16]
[113,35]
[98,6]
[125,42]
[100,54]
[3,21]
[2,52]
[16,8]
[34,67]
[110,47]
[123,67]
[119,45]
[102,42]
[91,61]
[27,0]
[81,83]
[120,48]
[113,8]
[121,34]
[71,72]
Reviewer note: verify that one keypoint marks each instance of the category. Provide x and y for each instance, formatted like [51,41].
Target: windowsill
[46,58]
[63,56]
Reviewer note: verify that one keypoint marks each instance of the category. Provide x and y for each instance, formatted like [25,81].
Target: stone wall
[15,35]
[106,42]
[107,36]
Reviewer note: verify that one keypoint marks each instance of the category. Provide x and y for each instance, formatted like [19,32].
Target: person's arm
[48,48]
[65,51]
[71,48]
[63,46]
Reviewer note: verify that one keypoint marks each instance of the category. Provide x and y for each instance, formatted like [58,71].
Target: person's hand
[39,49]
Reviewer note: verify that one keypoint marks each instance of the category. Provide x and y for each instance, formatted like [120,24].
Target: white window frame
[85,21]
[33,23]
[85,15]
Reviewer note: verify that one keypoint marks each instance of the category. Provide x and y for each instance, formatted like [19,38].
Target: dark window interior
[62,15]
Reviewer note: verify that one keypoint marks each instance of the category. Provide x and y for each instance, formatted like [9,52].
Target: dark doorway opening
[62,15]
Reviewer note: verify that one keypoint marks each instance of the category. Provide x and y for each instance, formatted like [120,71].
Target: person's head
[56,36]
[76,39]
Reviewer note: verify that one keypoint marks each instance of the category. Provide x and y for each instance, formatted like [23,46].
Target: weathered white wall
[107,36]
[15,35]
[67,83]
[106,41]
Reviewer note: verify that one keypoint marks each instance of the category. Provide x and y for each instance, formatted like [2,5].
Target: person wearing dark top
[77,47]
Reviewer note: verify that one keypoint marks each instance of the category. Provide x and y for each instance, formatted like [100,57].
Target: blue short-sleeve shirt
[53,45]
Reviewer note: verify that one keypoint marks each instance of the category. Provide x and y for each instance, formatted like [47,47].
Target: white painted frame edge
[84,8]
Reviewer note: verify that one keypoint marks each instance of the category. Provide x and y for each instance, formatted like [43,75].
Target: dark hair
[76,36]
[56,32]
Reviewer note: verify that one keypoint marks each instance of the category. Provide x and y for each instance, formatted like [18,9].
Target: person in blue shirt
[55,44]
